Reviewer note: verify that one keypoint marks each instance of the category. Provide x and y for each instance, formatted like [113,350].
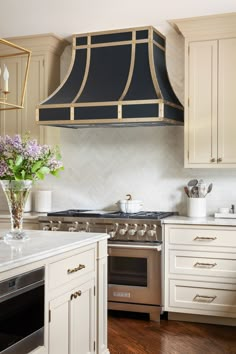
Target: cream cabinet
[210,86]
[72,322]
[77,287]
[43,79]
[200,271]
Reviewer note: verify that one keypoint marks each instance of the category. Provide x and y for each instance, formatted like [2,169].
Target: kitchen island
[74,268]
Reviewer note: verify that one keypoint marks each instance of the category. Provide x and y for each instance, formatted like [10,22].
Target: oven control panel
[127,230]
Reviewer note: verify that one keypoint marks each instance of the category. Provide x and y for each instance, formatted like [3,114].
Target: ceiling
[67,17]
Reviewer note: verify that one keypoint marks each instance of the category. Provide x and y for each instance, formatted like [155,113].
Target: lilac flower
[54,164]
[4,170]
[26,159]
[31,150]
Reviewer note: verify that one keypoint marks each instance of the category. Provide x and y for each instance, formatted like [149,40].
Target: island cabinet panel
[200,271]
[62,272]
[72,321]
[77,301]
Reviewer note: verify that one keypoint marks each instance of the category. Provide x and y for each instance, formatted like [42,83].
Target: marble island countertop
[210,220]
[40,245]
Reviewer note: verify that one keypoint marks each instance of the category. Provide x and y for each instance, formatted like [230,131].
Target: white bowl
[130,206]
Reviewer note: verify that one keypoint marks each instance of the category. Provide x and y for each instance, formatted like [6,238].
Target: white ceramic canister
[28,204]
[43,201]
[196,207]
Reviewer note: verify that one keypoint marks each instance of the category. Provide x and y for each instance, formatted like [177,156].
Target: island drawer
[202,263]
[202,236]
[65,270]
[211,297]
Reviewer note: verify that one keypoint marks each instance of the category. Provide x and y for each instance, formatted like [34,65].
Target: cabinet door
[227,99]
[72,326]
[201,132]
[82,320]
[34,94]
[59,325]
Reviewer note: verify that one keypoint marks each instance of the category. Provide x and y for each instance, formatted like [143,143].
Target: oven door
[134,273]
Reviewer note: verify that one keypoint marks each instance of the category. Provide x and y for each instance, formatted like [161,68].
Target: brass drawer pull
[70,271]
[213,160]
[204,265]
[204,298]
[219,160]
[202,238]
[77,293]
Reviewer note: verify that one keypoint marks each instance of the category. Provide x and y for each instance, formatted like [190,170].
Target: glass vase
[16,193]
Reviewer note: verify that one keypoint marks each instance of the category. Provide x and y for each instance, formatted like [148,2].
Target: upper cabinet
[210,90]
[43,79]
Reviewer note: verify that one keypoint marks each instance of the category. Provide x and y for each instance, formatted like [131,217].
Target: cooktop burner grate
[112,214]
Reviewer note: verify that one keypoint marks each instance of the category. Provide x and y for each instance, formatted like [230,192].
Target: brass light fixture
[8,50]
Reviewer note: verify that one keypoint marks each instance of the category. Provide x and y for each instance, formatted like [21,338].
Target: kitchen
[103,165]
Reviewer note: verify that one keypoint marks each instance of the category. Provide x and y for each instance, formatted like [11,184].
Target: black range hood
[116,78]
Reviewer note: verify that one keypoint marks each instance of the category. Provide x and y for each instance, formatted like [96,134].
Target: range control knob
[85,227]
[113,232]
[46,228]
[152,232]
[56,227]
[142,231]
[73,227]
[49,226]
[133,230]
[123,230]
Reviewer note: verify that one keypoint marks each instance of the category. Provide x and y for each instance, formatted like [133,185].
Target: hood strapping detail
[116,78]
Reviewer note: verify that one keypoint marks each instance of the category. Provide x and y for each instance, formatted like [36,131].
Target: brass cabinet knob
[219,160]
[213,160]
[79,293]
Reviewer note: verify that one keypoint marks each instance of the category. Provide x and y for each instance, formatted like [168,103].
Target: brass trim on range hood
[116,78]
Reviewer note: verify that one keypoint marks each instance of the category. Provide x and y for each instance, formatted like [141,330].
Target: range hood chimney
[116,78]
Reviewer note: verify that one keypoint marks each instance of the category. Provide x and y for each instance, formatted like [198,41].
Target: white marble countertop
[178,219]
[41,245]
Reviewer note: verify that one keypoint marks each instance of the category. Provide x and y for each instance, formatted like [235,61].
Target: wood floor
[130,333]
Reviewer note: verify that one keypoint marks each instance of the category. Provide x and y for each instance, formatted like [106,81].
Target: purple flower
[4,170]
[54,164]
[26,159]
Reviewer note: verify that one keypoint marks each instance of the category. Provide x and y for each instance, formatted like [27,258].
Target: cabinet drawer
[70,268]
[212,297]
[202,263]
[198,236]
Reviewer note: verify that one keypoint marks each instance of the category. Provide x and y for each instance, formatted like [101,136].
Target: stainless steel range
[134,249]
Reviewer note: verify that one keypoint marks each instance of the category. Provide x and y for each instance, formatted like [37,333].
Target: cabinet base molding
[175,316]
[153,311]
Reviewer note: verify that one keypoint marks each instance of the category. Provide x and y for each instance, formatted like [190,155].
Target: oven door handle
[145,247]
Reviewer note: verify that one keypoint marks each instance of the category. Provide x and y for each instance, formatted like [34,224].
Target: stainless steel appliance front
[134,278]
[22,313]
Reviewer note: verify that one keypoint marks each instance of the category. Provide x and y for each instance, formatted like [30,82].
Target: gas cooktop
[112,214]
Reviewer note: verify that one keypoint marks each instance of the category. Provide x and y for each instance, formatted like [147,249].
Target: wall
[102,165]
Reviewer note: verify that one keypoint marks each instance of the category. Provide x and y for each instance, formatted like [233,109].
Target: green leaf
[39,175]
[19,160]
[23,174]
[45,170]
[36,166]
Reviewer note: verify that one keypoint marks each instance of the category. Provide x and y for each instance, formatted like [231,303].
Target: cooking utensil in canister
[192,183]
[187,191]
[209,189]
